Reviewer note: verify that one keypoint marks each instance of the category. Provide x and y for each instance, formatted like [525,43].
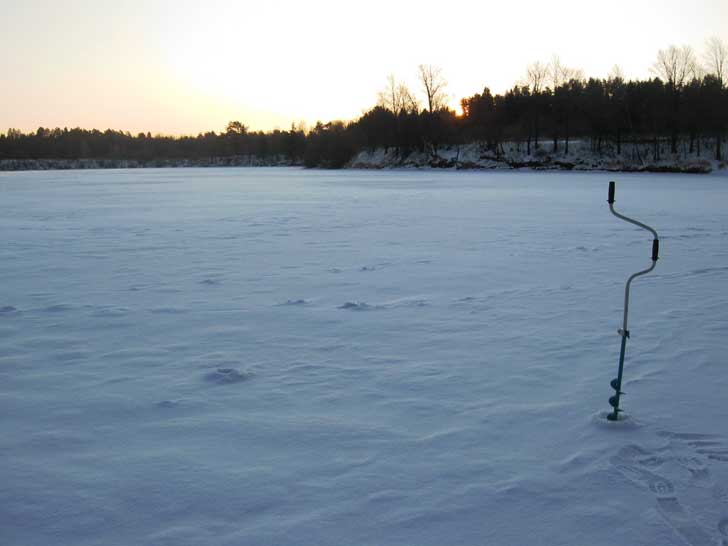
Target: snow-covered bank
[581,157]
[515,156]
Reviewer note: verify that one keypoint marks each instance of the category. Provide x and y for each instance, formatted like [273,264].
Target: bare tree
[536,76]
[397,98]
[388,98]
[434,85]
[616,73]
[716,59]
[676,65]
[409,100]
[559,74]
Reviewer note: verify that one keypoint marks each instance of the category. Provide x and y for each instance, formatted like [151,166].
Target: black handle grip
[655,249]
[611,193]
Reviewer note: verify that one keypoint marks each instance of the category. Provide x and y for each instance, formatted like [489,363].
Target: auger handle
[655,242]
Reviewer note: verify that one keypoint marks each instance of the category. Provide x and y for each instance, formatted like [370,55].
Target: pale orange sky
[183,67]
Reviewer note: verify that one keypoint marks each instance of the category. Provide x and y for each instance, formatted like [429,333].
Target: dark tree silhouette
[683,107]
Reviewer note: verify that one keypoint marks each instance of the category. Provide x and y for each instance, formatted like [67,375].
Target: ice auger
[616,383]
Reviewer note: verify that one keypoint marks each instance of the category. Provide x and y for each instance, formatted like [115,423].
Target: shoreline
[470,157]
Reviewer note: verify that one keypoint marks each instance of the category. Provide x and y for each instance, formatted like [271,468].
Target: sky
[185,67]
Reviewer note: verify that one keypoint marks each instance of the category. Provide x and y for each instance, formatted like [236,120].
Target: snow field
[281,356]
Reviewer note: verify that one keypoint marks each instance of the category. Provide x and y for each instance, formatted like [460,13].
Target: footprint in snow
[294,302]
[723,528]
[696,467]
[167,404]
[720,493]
[227,376]
[711,446]
[357,306]
[663,489]
[691,452]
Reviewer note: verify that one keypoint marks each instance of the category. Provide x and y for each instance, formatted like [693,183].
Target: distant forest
[682,109]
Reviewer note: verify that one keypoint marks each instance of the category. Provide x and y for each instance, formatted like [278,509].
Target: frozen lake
[291,357]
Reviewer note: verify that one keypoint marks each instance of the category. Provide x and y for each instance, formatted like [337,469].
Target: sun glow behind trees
[184,67]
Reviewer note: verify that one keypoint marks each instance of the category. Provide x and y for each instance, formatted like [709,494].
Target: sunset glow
[182,68]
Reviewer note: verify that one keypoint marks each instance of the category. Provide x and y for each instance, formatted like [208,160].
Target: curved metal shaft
[626,292]
[639,273]
[632,221]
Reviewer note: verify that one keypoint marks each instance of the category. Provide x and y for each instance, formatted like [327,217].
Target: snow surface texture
[289,357]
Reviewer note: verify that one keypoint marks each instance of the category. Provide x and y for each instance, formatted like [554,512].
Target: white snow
[280,356]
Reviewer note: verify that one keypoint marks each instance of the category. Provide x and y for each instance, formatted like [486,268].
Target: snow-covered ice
[288,357]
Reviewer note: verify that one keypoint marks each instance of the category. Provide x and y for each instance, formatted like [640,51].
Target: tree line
[110,144]
[681,109]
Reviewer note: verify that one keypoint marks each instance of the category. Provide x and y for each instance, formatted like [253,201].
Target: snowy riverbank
[581,157]
[515,156]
